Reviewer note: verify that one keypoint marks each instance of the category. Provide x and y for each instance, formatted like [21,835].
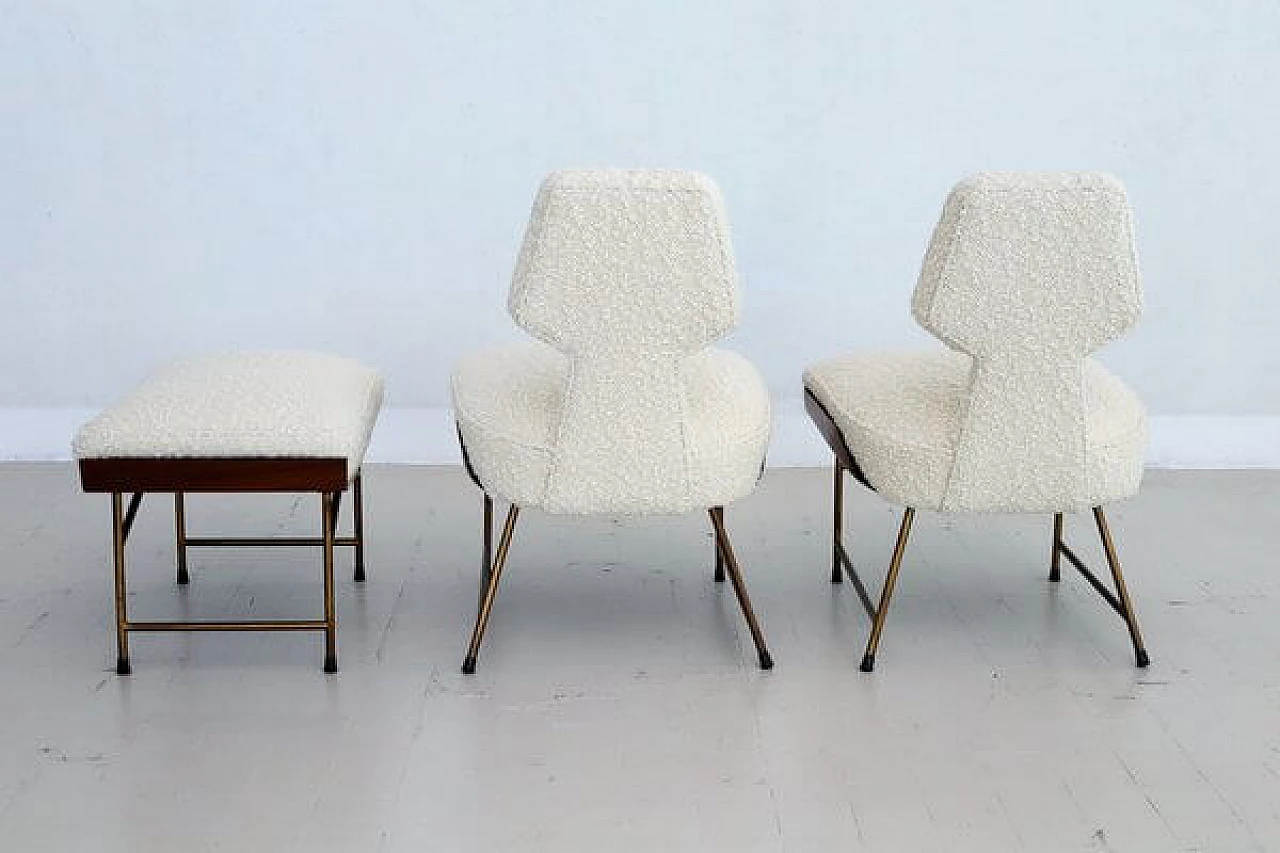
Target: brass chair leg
[486,553]
[180,530]
[886,595]
[1055,559]
[715,541]
[837,571]
[357,515]
[122,615]
[740,587]
[491,590]
[1122,591]
[328,511]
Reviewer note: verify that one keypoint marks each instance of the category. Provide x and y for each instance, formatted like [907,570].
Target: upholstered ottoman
[240,422]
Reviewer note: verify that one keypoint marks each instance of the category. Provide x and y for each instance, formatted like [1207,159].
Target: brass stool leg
[357,514]
[122,615]
[491,591]
[1055,561]
[740,587]
[837,571]
[327,509]
[1122,591]
[886,595]
[180,530]
[715,541]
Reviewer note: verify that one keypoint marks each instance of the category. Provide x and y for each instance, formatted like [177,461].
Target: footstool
[238,422]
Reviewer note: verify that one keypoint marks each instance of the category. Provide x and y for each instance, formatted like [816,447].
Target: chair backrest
[627,273]
[1028,273]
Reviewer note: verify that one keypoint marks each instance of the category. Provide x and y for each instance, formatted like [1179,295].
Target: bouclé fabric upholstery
[1027,274]
[624,277]
[278,404]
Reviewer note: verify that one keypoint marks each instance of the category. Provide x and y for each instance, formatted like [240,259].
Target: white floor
[617,706]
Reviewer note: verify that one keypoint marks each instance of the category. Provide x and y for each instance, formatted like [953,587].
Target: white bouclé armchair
[619,407]
[1027,274]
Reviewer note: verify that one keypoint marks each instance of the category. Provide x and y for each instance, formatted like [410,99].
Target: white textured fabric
[244,404]
[1026,275]
[626,276]
[901,415]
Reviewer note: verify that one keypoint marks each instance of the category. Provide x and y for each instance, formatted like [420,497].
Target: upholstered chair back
[1028,273]
[627,273]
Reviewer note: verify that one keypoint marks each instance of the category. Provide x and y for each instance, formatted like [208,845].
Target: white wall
[355,176]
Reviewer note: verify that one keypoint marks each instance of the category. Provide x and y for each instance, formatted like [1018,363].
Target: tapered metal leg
[715,541]
[180,529]
[357,515]
[486,553]
[122,614]
[1122,591]
[328,510]
[886,595]
[837,526]
[739,587]
[491,591]
[1055,560]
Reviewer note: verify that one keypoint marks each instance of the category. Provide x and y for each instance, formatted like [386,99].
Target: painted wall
[355,176]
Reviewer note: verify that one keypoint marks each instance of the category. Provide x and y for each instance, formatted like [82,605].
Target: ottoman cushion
[242,405]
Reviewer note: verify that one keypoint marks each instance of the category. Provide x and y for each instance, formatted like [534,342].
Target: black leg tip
[123,667]
[766,659]
[359,576]
[1054,577]
[183,578]
[330,665]
[868,663]
[719,576]
[1143,660]
[469,666]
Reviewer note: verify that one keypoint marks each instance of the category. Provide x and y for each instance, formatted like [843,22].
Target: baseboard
[426,437]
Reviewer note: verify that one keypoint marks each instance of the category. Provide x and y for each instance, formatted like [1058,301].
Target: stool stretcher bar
[263,625]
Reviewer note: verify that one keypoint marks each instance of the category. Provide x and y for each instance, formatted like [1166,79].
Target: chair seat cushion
[242,405]
[508,403]
[900,415]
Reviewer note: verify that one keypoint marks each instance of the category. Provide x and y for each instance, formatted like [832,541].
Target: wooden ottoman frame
[326,476]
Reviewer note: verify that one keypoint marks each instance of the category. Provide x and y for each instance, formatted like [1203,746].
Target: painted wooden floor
[617,706]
